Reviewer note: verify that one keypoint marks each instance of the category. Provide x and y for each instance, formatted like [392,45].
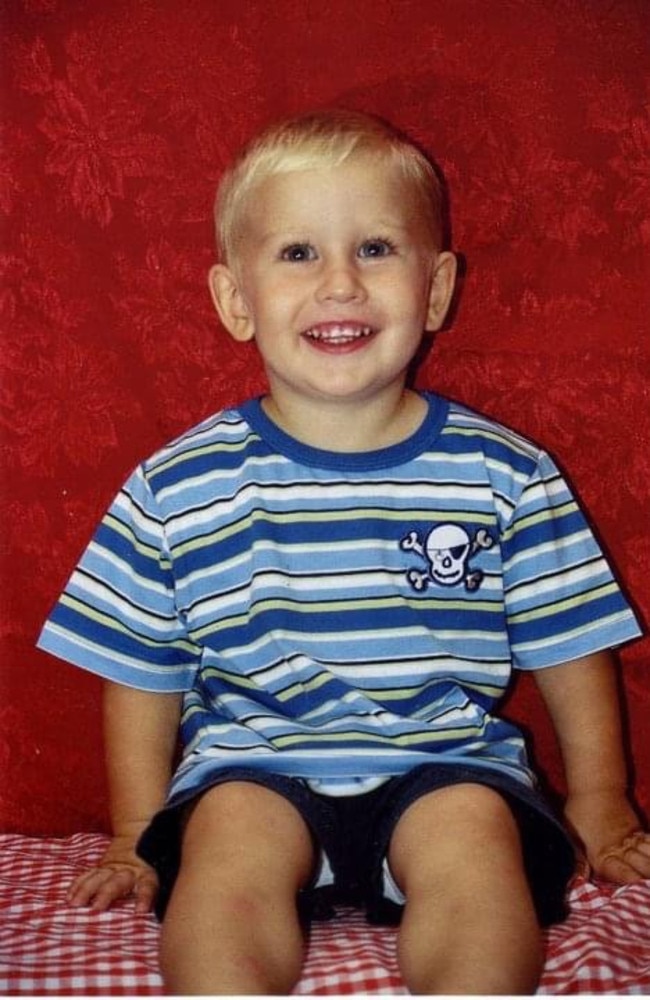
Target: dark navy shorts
[352,834]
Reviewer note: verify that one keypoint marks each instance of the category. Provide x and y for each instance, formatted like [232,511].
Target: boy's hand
[120,873]
[616,848]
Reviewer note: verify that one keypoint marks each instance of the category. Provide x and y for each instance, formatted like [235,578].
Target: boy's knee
[455,830]
[240,827]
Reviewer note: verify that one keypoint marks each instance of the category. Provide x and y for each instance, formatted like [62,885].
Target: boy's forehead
[360,169]
[360,184]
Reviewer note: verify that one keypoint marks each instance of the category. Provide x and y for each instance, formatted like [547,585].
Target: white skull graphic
[448,549]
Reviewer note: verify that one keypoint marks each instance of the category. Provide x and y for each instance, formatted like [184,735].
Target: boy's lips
[339,334]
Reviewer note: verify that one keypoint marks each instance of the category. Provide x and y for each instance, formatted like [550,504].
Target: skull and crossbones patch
[446,551]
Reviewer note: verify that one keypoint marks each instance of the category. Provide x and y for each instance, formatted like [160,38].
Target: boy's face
[336,280]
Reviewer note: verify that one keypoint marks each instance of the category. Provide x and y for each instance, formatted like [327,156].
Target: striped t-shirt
[339,617]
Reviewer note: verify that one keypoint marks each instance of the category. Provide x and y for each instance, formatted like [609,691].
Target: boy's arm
[140,734]
[582,699]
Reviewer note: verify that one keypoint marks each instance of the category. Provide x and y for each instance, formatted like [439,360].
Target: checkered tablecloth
[47,947]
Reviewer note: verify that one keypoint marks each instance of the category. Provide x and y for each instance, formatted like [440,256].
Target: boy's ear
[230,303]
[443,280]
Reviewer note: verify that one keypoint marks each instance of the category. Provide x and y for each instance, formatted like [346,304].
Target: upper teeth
[339,333]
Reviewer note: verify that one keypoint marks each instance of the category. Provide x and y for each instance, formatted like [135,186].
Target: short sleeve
[562,599]
[117,616]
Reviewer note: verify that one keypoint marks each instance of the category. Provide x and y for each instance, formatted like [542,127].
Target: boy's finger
[100,887]
[617,870]
[642,843]
[629,861]
[116,886]
[624,869]
[84,887]
[639,859]
[145,891]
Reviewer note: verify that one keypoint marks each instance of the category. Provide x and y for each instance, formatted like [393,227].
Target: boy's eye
[297,252]
[376,248]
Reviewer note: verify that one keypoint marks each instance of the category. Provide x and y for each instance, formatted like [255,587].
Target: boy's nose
[340,282]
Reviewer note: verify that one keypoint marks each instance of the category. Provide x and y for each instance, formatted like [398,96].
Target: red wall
[119,118]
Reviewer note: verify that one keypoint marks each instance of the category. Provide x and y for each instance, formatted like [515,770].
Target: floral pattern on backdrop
[118,120]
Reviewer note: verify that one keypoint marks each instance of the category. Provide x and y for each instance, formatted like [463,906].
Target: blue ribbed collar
[322,458]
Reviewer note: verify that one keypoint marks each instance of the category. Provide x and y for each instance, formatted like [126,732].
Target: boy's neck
[348,426]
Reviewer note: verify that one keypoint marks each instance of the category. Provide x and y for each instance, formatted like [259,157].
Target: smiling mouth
[338,334]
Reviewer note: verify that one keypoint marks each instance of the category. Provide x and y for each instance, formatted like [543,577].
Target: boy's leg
[469,923]
[231,926]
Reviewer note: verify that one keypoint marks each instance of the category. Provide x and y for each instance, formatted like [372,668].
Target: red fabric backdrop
[119,118]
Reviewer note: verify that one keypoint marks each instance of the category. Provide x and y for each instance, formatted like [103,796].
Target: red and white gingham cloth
[47,947]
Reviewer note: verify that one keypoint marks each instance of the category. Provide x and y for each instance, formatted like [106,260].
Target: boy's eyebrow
[278,236]
[294,235]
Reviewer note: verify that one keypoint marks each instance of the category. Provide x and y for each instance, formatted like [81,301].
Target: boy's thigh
[232,922]
[240,829]
[455,836]
[242,821]
[456,816]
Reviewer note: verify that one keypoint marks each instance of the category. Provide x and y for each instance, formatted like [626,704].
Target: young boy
[327,588]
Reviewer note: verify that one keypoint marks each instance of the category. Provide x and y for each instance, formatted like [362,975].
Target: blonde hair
[317,139]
